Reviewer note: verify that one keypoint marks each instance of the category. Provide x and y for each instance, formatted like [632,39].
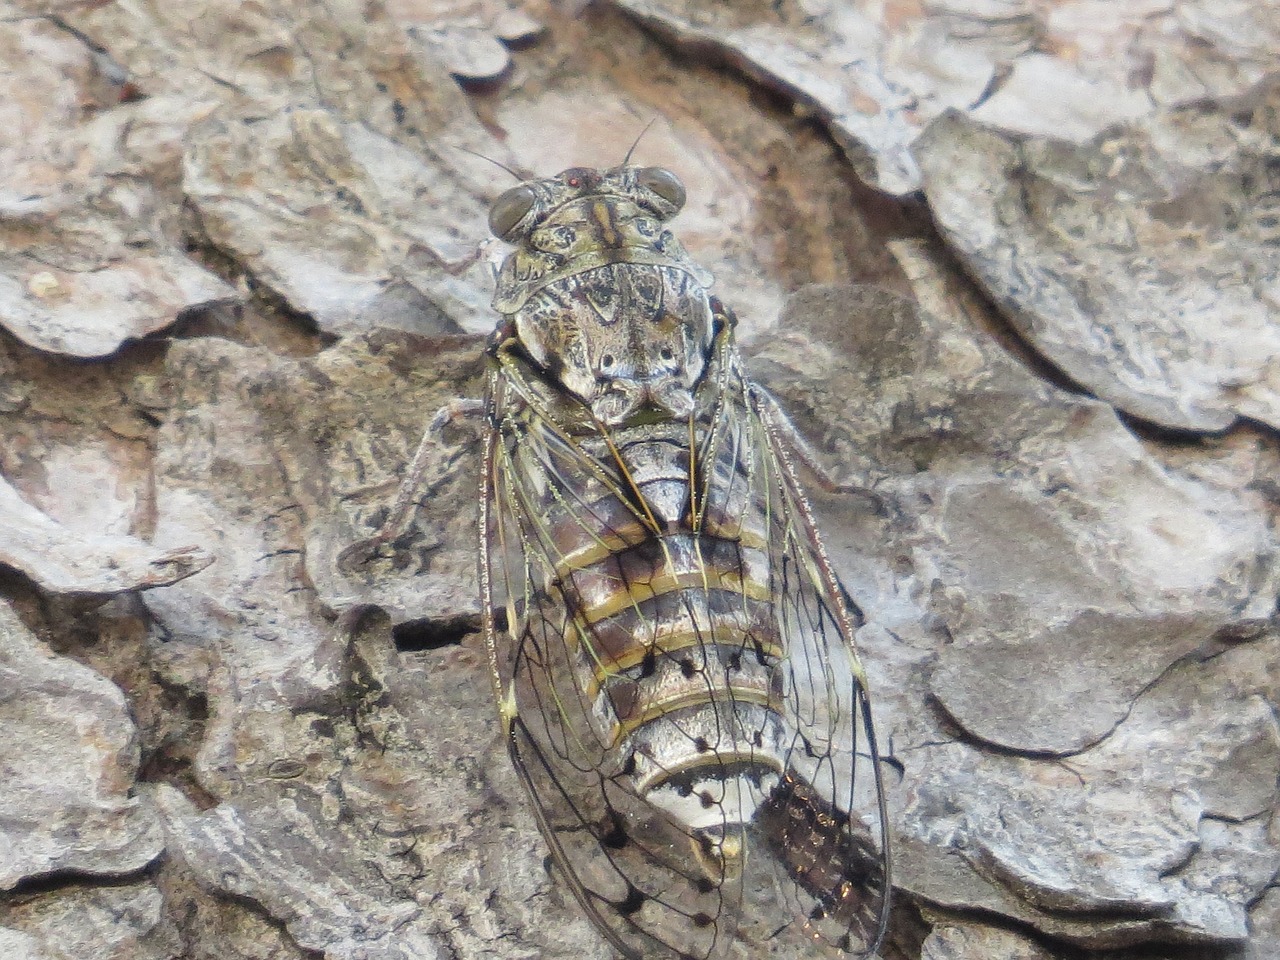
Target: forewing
[825,827]
[649,885]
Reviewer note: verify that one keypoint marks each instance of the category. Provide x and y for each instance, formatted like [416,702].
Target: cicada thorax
[621,337]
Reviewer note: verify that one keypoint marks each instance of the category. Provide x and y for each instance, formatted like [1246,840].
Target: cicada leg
[406,500]
[801,450]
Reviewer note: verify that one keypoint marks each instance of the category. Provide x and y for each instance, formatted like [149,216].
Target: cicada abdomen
[677,680]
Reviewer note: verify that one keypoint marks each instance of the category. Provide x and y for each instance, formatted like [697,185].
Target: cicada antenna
[636,142]
[496,163]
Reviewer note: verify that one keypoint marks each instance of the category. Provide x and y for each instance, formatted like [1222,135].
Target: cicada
[671,652]
[677,678]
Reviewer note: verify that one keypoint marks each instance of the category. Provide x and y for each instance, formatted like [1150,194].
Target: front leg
[406,500]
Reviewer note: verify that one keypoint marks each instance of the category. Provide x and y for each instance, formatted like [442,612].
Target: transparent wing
[820,838]
[826,825]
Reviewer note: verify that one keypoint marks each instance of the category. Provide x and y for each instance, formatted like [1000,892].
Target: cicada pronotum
[676,678]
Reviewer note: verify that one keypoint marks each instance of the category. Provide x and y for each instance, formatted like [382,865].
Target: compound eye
[664,183]
[509,209]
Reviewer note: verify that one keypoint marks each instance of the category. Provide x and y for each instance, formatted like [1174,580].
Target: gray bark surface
[1012,268]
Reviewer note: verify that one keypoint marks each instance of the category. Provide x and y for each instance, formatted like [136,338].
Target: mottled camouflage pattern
[679,687]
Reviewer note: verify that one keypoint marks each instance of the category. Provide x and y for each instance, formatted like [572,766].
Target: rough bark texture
[243,260]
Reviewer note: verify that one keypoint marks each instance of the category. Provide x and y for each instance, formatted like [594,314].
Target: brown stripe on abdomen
[678,620]
[661,565]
